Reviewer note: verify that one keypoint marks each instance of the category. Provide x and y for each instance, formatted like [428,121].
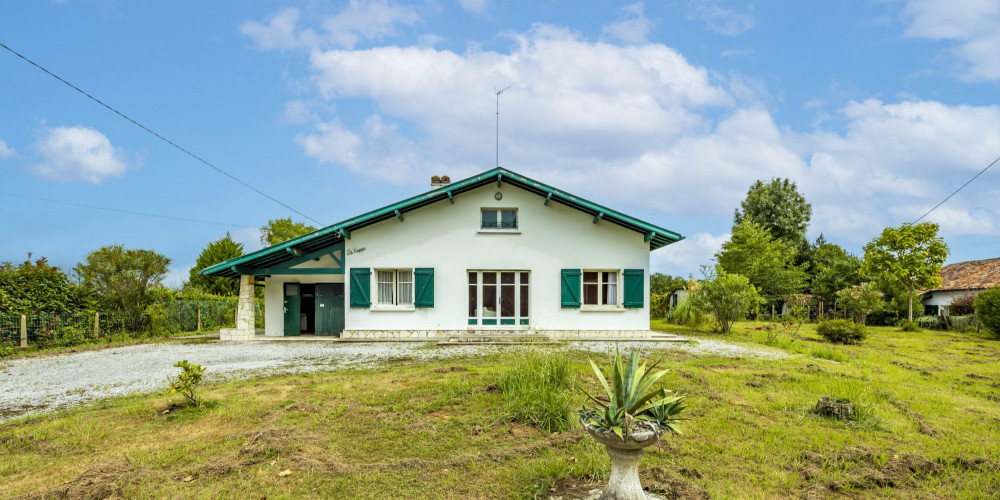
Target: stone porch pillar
[244,313]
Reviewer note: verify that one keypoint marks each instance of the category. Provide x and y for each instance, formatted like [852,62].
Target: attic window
[499,218]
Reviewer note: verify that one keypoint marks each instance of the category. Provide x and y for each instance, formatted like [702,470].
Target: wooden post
[97,324]
[24,331]
[820,315]
[199,318]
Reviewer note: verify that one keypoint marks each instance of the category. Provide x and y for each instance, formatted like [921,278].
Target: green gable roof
[658,237]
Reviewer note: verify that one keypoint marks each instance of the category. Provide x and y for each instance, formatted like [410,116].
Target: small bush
[988,309]
[909,326]
[187,382]
[962,323]
[928,323]
[7,350]
[687,314]
[842,331]
[963,305]
[536,392]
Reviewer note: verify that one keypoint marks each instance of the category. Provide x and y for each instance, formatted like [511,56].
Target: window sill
[499,231]
[602,309]
[393,308]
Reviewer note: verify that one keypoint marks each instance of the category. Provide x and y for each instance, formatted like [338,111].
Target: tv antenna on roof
[499,93]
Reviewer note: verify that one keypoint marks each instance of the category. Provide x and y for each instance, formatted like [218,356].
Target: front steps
[500,338]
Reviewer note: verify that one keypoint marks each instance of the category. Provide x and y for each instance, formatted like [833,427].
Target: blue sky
[667,110]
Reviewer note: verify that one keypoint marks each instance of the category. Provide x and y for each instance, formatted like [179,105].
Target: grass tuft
[828,353]
[535,391]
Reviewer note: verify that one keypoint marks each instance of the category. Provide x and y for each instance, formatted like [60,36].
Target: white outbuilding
[497,252]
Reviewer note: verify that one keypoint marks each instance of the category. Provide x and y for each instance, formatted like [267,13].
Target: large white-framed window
[600,288]
[393,289]
[498,219]
[499,298]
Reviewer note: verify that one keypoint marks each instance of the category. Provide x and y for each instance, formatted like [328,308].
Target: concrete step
[489,338]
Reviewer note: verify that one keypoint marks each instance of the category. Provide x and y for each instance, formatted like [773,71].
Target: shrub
[728,296]
[630,399]
[928,322]
[963,305]
[687,313]
[988,309]
[161,319]
[535,391]
[861,300]
[842,331]
[187,382]
[909,326]
[962,323]
[6,350]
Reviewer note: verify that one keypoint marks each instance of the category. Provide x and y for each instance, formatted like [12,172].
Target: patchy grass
[926,426]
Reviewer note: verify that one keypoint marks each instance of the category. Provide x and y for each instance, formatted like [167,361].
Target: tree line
[770,254]
[122,280]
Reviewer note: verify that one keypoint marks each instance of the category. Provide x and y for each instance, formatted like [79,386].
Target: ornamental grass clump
[536,391]
[630,401]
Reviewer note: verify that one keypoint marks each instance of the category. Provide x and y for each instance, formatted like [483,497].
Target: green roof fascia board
[342,230]
[268,271]
[302,258]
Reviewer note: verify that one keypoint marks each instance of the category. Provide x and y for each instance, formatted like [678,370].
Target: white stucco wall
[943,299]
[447,237]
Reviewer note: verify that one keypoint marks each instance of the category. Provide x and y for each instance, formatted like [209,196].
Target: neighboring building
[497,251]
[961,279]
[678,296]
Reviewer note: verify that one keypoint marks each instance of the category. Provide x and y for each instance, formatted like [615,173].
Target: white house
[960,279]
[497,252]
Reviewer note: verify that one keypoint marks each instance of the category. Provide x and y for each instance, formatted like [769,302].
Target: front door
[293,320]
[329,308]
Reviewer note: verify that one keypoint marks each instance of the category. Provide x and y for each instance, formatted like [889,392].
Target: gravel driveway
[45,383]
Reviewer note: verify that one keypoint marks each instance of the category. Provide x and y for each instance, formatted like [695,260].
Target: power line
[158,136]
[981,172]
[130,212]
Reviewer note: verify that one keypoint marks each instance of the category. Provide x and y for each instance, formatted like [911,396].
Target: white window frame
[518,315]
[378,305]
[601,305]
[499,210]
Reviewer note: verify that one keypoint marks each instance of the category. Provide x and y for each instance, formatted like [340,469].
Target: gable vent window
[499,218]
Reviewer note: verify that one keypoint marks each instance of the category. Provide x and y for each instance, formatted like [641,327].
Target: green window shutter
[571,288]
[423,295]
[361,287]
[634,296]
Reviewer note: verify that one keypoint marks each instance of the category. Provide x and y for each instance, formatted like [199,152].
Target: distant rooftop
[971,275]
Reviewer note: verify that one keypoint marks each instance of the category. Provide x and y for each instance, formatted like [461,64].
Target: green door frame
[292,309]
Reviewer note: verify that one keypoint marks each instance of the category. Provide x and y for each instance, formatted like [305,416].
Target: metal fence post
[97,324]
[24,331]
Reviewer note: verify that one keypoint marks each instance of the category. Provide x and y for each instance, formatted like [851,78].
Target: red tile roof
[971,275]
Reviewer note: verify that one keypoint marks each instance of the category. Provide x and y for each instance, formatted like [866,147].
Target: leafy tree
[122,278]
[220,250]
[663,284]
[766,261]
[832,269]
[861,300]
[779,208]
[910,255]
[988,309]
[279,230]
[37,287]
[728,296]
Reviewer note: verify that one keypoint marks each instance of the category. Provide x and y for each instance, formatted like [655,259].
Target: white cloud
[657,130]
[6,151]
[176,276]
[249,237]
[688,255]
[972,26]
[360,20]
[632,25]
[719,19]
[474,6]
[78,154]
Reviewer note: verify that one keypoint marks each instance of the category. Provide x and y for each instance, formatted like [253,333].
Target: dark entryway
[314,308]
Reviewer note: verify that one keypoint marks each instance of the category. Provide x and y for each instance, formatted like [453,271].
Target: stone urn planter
[625,454]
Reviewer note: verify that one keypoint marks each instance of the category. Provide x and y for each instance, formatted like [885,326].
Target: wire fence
[159,319]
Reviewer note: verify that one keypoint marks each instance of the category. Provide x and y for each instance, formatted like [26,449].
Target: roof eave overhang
[656,236]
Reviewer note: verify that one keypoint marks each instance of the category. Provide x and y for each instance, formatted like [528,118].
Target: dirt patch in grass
[101,480]
[451,369]
[865,468]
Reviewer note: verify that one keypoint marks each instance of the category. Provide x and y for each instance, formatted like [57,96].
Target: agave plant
[631,398]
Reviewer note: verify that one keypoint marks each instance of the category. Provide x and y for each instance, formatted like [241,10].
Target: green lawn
[927,405]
